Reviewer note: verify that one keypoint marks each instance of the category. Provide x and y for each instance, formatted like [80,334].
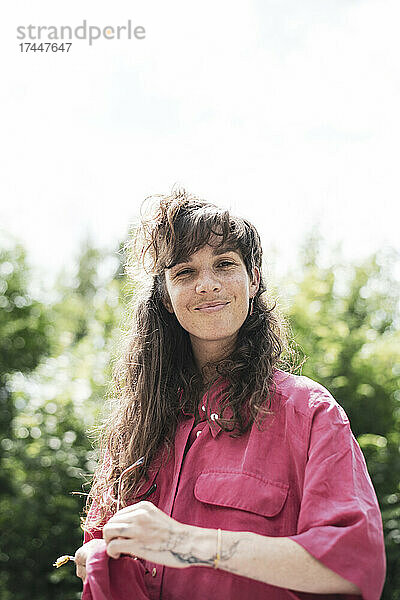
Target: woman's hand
[83,554]
[145,531]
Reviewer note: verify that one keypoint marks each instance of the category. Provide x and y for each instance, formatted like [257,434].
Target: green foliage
[24,327]
[46,457]
[346,319]
[56,399]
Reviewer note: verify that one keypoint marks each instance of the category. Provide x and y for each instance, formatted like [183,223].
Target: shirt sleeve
[339,521]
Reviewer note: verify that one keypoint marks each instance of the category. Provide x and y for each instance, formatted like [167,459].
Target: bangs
[181,225]
[193,231]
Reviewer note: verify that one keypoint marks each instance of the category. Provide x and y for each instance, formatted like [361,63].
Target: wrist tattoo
[174,539]
[192,558]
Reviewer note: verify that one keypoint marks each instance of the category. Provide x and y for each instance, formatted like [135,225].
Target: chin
[225,336]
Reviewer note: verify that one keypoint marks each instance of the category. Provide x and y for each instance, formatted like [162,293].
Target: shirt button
[203,408]
[214,416]
[198,433]
[154,572]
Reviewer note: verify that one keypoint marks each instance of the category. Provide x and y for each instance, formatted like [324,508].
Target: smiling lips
[211,306]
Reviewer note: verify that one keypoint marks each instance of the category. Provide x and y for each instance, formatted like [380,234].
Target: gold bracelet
[219,544]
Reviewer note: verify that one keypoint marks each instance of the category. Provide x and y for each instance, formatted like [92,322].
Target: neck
[208,353]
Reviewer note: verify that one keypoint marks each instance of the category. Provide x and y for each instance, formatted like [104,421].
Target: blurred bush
[346,320]
[55,364]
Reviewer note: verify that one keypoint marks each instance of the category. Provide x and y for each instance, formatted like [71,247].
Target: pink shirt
[302,476]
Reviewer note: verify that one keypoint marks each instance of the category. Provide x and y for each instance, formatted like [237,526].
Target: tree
[346,319]
[24,327]
[24,340]
[47,451]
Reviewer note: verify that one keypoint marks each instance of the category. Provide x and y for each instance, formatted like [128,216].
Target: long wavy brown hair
[157,376]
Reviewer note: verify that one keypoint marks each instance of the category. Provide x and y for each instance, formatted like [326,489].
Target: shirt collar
[209,405]
[212,397]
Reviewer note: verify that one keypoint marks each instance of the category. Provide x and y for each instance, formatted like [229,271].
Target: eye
[183,272]
[225,263]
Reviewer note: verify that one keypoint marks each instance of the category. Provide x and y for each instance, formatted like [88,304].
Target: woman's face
[209,293]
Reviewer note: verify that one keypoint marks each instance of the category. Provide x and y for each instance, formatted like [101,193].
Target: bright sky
[287,111]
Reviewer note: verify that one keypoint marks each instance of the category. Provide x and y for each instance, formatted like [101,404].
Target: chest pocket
[243,491]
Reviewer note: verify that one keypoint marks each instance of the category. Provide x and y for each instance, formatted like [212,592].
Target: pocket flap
[244,491]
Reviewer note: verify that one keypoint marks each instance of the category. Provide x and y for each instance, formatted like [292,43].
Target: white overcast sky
[287,111]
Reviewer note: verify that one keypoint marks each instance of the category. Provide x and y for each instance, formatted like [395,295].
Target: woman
[225,476]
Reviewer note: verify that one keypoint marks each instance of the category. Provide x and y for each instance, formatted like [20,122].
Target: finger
[127,519]
[81,572]
[80,560]
[144,504]
[120,546]
[122,517]
[81,556]
[115,531]
[134,513]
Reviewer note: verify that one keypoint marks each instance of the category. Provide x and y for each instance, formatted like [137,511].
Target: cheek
[241,313]
[240,288]
[178,301]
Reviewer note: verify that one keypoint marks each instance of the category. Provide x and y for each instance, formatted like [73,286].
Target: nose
[207,282]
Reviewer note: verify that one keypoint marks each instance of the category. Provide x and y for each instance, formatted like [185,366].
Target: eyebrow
[217,252]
